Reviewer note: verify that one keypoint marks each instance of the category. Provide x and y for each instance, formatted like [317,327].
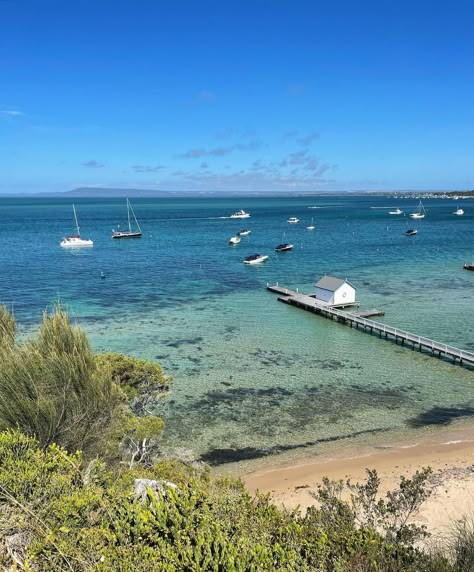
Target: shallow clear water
[254,378]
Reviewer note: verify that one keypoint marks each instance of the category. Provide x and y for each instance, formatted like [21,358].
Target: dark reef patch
[216,457]
[440,416]
[183,342]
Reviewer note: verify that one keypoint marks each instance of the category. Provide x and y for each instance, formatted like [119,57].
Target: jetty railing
[309,303]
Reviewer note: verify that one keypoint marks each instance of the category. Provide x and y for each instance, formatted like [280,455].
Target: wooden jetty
[359,320]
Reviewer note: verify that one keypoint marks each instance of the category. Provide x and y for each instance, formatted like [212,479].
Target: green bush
[72,515]
[143,381]
[54,388]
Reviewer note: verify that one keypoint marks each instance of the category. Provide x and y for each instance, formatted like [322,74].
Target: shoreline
[451,457]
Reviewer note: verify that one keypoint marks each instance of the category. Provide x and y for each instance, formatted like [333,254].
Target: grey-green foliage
[7,326]
[51,387]
[462,544]
[71,516]
[389,516]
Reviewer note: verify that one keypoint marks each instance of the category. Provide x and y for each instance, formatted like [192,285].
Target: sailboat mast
[128,214]
[136,222]
[75,218]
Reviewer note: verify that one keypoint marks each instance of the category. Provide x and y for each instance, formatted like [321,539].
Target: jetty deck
[359,320]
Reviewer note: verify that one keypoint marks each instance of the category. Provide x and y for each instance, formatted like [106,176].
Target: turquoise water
[256,381]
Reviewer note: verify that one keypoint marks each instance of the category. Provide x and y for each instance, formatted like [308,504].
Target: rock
[16,546]
[141,487]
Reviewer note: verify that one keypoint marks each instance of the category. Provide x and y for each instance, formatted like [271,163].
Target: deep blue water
[253,377]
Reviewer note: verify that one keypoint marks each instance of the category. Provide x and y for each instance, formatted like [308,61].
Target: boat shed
[335,291]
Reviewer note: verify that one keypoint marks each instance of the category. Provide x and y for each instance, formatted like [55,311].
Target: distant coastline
[104,192]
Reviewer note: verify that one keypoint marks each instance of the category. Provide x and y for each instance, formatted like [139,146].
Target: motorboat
[244,232]
[240,214]
[458,212]
[293,220]
[128,233]
[410,232]
[284,246]
[234,240]
[397,211]
[469,266]
[419,213]
[75,240]
[255,259]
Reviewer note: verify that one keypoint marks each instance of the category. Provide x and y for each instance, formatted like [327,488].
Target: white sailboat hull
[417,215]
[74,242]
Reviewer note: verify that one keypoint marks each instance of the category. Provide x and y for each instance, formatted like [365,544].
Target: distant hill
[106,192]
[102,192]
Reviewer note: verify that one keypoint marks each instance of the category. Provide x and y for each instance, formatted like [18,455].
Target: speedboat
[293,220]
[234,240]
[397,211]
[458,212]
[255,259]
[75,240]
[244,232]
[411,232]
[283,247]
[240,214]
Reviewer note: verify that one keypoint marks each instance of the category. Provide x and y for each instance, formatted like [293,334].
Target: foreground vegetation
[118,506]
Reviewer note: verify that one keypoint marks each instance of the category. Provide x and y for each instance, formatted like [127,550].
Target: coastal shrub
[462,544]
[58,512]
[53,387]
[7,326]
[143,381]
[389,516]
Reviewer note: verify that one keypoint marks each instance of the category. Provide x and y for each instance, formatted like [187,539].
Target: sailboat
[128,233]
[311,226]
[75,240]
[420,212]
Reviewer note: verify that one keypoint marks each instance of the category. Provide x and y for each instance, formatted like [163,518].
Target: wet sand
[451,457]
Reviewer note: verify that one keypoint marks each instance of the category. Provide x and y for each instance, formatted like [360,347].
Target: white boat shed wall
[335,291]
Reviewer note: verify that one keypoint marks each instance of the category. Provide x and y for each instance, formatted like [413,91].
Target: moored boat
[128,233]
[234,240]
[293,220]
[411,232]
[255,259]
[458,212]
[420,212]
[244,232]
[469,266]
[283,247]
[75,240]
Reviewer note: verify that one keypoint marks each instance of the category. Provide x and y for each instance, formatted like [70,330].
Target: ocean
[256,382]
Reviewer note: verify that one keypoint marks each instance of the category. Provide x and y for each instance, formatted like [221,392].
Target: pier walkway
[359,320]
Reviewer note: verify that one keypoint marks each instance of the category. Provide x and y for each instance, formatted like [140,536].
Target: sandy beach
[450,455]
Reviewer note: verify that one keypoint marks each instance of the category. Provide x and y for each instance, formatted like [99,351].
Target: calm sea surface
[256,381]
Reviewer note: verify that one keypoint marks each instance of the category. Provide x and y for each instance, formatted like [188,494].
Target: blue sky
[236,95]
